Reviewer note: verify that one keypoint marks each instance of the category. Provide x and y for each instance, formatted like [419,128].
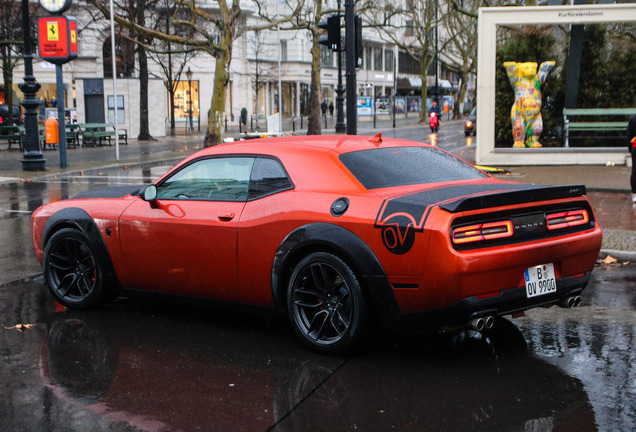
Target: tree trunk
[172,122]
[216,124]
[144,130]
[7,76]
[424,111]
[461,96]
[313,123]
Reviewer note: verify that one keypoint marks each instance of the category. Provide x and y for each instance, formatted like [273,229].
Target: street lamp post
[32,159]
[341,126]
[189,75]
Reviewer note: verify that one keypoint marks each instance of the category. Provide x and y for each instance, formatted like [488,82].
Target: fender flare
[342,242]
[77,218]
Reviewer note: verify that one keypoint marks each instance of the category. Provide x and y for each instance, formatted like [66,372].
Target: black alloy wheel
[326,305]
[71,270]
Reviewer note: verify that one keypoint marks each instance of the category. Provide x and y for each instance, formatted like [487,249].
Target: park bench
[14,135]
[94,134]
[594,126]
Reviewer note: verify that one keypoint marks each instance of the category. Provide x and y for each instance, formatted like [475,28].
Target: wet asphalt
[154,365]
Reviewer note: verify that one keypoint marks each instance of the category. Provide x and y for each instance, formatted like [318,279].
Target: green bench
[94,134]
[594,126]
[14,135]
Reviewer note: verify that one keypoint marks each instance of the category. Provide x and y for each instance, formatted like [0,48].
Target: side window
[268,176]
[215,179]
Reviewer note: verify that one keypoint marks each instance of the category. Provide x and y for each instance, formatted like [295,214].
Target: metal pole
[113,59]
[350,43]
[394,83]
[280,87]
[190,106]
[32,158]
[61,120]
[341,126]
[373,108]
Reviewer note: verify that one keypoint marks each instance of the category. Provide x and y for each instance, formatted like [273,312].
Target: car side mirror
[149,194]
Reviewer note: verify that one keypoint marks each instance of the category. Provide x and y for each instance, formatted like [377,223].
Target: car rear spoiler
[530,194]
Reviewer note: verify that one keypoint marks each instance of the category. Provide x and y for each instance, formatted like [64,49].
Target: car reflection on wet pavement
[147,364]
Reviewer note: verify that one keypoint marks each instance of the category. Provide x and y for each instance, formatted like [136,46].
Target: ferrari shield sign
[57,39]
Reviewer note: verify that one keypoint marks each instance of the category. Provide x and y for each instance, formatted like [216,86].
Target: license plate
[540,280]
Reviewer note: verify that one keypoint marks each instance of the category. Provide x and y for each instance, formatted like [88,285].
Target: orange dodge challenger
[334,230]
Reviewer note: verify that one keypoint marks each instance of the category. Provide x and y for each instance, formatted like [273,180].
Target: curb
[620,255]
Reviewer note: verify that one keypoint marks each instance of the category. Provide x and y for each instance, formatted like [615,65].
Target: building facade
[260,61]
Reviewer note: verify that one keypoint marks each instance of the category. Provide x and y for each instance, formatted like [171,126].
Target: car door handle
[226,216]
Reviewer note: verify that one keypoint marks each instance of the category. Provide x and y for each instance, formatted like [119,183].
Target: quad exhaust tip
[570,302]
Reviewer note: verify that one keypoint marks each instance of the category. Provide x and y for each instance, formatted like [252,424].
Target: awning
[409,83]
[430,82]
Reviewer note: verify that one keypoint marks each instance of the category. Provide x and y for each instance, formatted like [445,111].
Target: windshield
[400,166]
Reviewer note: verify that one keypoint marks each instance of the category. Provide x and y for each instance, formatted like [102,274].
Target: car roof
[335,144]
[300,152]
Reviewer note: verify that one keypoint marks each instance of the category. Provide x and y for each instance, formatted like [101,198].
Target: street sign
[57,39]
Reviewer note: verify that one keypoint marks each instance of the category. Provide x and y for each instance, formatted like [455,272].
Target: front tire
[327,308]
[71,270]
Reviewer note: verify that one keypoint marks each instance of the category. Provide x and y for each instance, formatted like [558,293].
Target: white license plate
[540,280]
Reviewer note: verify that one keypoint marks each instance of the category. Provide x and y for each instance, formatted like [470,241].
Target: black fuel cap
[339,206]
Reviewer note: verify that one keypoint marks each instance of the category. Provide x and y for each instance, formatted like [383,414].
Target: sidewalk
[608,187]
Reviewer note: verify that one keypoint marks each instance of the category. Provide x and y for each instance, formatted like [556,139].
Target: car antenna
[377,140]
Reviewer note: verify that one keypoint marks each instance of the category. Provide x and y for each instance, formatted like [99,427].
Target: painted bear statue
[525,114]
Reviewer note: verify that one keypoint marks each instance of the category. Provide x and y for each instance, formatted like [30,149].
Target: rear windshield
[399,166]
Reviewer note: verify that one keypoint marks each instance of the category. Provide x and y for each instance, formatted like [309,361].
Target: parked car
[470,123]
[334,230]
[4,115]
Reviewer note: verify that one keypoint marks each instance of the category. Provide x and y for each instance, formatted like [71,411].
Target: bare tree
[214,32]
[262,71]
[170,57]
[307,17]
[460,24]
[11,44]
[413,30]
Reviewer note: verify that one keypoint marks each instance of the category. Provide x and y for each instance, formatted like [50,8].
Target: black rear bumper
[508,302]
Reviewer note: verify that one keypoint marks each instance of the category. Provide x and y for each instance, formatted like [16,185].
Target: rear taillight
[482,232]
[567,219]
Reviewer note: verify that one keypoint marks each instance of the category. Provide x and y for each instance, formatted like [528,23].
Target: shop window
[182,99]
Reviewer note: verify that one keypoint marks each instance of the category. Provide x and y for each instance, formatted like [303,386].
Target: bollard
[294,124]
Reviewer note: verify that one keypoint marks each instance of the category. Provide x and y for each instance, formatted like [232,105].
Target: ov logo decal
[398,233]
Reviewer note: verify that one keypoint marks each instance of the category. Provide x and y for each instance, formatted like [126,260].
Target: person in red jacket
[631,145]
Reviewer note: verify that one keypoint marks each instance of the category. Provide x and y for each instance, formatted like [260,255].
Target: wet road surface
[153,365]
[148,364]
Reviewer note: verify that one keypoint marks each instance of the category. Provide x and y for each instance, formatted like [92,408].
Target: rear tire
[72,272]
[326,306]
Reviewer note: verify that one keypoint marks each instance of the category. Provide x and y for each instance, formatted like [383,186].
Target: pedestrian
[323,108]
[331,108]
[631,146]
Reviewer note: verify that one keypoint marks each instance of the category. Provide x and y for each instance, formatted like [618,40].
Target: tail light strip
[567,219]
[480,232]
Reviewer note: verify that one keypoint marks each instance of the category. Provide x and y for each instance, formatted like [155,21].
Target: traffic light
[332,25]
